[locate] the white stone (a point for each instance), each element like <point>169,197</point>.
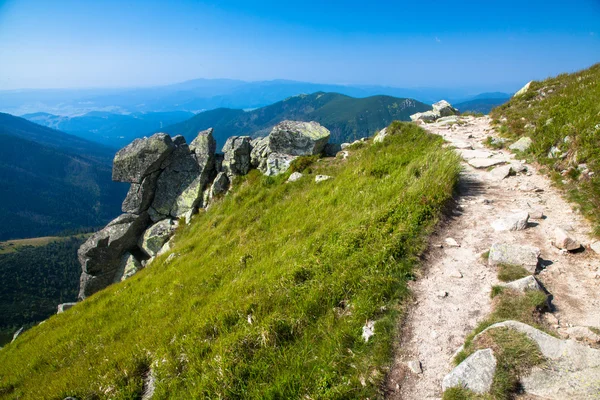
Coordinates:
<point>294,177</point>
<point>499,173</point>
<point>476,373</point>
<point>415,366</point>
<point>563,241</point>
<point>368,330</point>
<point>513,254</point>
<point>524,284</point>
<point>516,222</point>
<point>321,178</point>
<point>522,144</point>
<point>595,246</point>
<point>451,242</point>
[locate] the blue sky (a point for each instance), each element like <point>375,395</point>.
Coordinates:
<point>484,44</point>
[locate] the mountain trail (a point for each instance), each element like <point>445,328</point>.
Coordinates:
<point>452,291</point>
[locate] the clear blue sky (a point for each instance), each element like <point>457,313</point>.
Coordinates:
<point>105,43</point>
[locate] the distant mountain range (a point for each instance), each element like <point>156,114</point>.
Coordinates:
<point>198,95</point>
<point>113,130</point>
<point>346,117</point>
<point>484,102</point>
<point>52,182</point>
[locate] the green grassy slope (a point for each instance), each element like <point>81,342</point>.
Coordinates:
<point>346,117</point>
<point>268,295</point>
<point>564,112</point>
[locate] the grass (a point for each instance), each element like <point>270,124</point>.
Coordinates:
<point>514,352</point>
<point>562,112</point>
<point>509,273</point>
<point>267,296</point>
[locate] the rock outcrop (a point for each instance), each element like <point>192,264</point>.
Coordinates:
<point>170,180</point>
<point>440,109</point>
<point>476,373</point>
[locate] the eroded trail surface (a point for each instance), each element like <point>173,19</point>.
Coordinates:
<point>452,293</point>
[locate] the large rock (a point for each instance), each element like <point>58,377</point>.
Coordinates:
<point>141,158</point>
<point>204,147</point>
<point>514,222</point>
<point>260,152</point>
<point>296,138</point>
<point>237,152</point>
<point>219,185</point>
<point>526,284</point>
<point>522,144</point>
<point>427,116</point>
<point>156,236</point>
<point>513,254</point>
<point>476,373</point>
<point>571,371</point>
<point>140,195</point>
<point>276,164</point>
<point>444,109</point>
<point>100,256</point>
<point>129,266</point>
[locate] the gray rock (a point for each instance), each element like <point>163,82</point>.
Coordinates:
<point>524,284</point>
<point>100,256</point>
<point>321,178</point>
<point>204,147</point>
<point>536,213</point>
<point>444,109</point>
<point>571,371</point>
<point>448,120</point>
<point>475,373</point>
<point>499,173</point>
<point>485,162</point>
<point>294,177</point>
<point>344,146</point>
<point>563,241</point>
<point>64,307</point>
<point>129,266</point>
<point>583,333</point>
<point>156,236</point>
<point>512,254</point>
<point>415,366</point>
<point>522,144</point>
<point>17,333</point>
<point>297,138</point>
<point>468,154</point>
<point>381,135</point>
<point>595,246</point>
<point>277,163</point>
<point>141,158</point>
<point>260,152</point>
<point>237,151</point>
<point>220,185</point>
<point>140,196</point>
<point>515,222</point>
<point>523,90</point>
<point>427,116</point>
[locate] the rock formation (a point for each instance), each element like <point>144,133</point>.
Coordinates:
<point>170,180</point>
<point>440,109</point>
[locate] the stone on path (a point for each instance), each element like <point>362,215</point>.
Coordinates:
<point>513,254</point>
<point>562,240</point>
<point>451,242</point>
<point>595,246</point>
<point>475,373</point>
<point>471,154</point>
<point>501,172</point>
<point>515,222</point>
<point>485,162</point>
<point>524,284</point>
<point>415,366</point>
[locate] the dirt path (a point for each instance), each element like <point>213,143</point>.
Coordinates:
<point>452,295</point>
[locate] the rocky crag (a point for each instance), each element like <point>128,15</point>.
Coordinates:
<point>170,180</point>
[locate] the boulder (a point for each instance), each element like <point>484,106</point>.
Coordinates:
<point>141,158</point>
<point>294,177</point>
<point>220,185</point>
<point>140,195</point>
<point>522,144</point>
<point>276,164</point>
<point>260,152</point>
<point>129,266</point>
<point>444,109</point>
<point>427,116</point>
<point>100,256</point>
<point>204,147</point>
<point>515,222</point>
<point>523,90</point>
<point>64,307</point>
<point>571,370</point>
<point>156,236</point>
<point>381,135</point>
<point>513,254</point>
<point>453,119</point>
<point>296,138</point>
<point>475,373</point>
<point>237,150</point>
<point>524,284</point>
<point>563,241</point>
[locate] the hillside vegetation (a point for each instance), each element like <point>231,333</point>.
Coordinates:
<point>346,117</point>
<point>51,182</point>
<point>267,294</point>
<point>564,113</point>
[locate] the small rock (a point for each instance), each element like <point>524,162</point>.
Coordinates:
<point>17,333</point>
<point>595,246</point>
<point>344,146</point>
<point>456,274</point>
<point>512,254</point>
<point>515,222</point>
<point>381,135</point>
<point>476,373</point>
<point>321,178</point>
<point>64,307</point>
<point>536,213</point>
<point>415,366</point>
<point>499,173</point>
<point>583,333</point>
<point>563,241</point>
<point>528,283</point>
<point>442,294</point>
<point>551,319</point>
<point>451,242</point>
<point>368,330</point>
<point>294,177</point>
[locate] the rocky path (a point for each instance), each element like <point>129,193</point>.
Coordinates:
<point>452,294</point>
